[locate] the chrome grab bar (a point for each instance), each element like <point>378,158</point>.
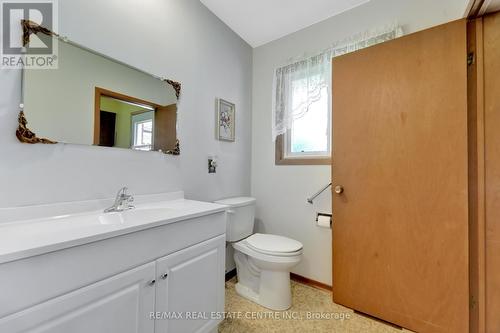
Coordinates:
<point>314,196</point>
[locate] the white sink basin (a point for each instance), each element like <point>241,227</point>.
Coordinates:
<point>32,237</point>
<point>134,216</point>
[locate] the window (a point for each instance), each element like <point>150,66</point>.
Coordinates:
<point>309,135</point>
<point>143,135</point>
<point>301,111</point>
<point>308,138</point>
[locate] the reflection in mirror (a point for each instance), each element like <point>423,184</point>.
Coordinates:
<point>94,100</point>
<point>128,122</point>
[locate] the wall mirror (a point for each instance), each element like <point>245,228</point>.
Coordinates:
<point>92,99</point>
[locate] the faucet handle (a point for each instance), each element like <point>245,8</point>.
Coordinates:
<point>122,192</point>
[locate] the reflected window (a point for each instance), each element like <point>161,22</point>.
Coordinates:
<point>143,135</point>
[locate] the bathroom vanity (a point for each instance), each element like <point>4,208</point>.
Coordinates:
<point>156,268</point>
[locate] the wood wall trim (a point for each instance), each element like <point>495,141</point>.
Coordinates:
<point>476,143</point>
<point>123,97</point>
<point>231,274</point>
<point>280,158</point>
<point>474,8</point>
<point>310,282</point>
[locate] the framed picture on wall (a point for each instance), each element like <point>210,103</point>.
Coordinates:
<point>225,120</point>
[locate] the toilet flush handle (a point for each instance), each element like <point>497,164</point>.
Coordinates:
<point>230,211</point>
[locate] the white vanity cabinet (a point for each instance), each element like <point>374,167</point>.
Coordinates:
<point>121,303</point>
<point>191,283</point>
<point>132,283</point>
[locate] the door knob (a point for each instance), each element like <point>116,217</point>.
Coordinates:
<point>339,189</point>
<point>164,276</point>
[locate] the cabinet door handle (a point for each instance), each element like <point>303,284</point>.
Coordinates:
<point>164,276</point>
<point>152,282</point>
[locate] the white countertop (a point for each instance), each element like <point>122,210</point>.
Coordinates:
<point>22,239</point>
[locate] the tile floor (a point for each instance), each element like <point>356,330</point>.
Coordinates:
<point>307,302</point>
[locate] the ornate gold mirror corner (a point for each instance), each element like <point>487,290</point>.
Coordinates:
<point>24,134</point>
<point>176,86</point>
<point>176,151</point>
<point>30,27</point>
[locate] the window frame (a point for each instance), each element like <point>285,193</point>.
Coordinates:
<point>284,157</point>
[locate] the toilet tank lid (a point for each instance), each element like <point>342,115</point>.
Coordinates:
<point>236,202</point>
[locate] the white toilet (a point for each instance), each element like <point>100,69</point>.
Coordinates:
<point>263,262</point>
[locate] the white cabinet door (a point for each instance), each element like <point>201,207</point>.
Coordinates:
<point>192,290</point>
<point>120,304</point>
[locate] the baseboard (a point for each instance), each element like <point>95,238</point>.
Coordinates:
<point>230,274</point>
<point>309,282</point>
<point>298,278</point>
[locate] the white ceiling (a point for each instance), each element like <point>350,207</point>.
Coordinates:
<point>494,6</point>
<point>261,21</point>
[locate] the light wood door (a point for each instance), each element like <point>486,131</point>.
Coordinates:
<point>492,168</point>
<point>400,230</point>
<point>120,304</point>
<point>191,283</point>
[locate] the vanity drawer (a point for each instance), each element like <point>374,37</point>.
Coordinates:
<point>30,281</point>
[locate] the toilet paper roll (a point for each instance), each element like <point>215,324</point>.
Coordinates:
<point>323,221</point>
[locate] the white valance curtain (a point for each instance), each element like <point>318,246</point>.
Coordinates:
<point>306,79</point>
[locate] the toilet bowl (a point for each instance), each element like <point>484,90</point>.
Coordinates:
<point>263,261</point>
<point>263,264</point>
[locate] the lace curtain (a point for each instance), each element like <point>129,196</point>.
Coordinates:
<point>298,85</point>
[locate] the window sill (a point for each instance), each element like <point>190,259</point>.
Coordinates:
<point>280,158</point>
<point>304,161</point>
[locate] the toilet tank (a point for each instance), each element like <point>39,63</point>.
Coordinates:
<point>240,217</point>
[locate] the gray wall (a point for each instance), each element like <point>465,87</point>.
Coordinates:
<point>178,39</point>
<point>281,191</point>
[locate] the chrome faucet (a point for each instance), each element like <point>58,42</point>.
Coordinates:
<point>122,202</point>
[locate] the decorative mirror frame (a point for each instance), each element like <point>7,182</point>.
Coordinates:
<point>23,133</point>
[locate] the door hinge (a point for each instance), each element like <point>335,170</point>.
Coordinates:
<point>470,59</point>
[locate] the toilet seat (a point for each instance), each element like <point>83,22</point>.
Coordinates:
<point>263,269</point>
<point>273,245</point>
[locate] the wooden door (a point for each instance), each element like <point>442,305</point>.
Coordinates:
<point>120,304</point>
<point>165,132</point>
<point>191,282</point>
<point>107,129</point>
<point>400,230</point>
<point>491,51</point>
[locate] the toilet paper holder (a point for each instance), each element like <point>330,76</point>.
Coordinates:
<point>324,214</point>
